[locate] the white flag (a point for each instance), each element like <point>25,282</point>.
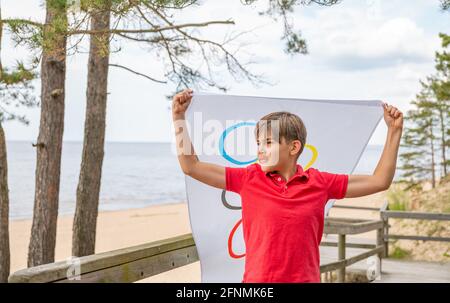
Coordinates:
<point>221,129</point>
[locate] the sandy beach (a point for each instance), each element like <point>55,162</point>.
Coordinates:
<point>119,229</point>
<point>115,229</point>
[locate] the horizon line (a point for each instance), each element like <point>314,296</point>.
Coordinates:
<point>120,142</point>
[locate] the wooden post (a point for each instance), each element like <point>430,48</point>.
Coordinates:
<point>386,238</point>
<point>384,217</point>
<point>380,241</point>
<point>341,256</point>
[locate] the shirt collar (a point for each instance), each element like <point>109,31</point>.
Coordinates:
<point>300,173</point>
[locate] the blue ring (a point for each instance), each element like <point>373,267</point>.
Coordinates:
<point>222,151</point>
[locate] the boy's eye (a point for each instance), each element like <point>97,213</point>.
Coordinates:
<point>267,143</point>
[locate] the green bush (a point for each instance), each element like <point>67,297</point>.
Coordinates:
<point>399,253</point>
<point>398,198</point>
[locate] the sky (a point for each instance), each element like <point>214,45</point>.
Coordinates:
<point>358,50</point>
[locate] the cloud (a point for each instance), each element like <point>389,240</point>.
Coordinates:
<point>349,40</point>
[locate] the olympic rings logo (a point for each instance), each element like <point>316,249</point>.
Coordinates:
<point>227,157</point>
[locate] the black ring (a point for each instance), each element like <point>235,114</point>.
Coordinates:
<point>226,204</point>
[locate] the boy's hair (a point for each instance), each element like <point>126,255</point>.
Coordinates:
<point>291,127</point>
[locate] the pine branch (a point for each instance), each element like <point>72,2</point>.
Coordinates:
<point>137,73</point>
<point>16,22</point>
<point>152,30</point>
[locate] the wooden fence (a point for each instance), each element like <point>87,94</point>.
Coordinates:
<point>135,263</point>
<point>139,262</point>
<point>386,214</point>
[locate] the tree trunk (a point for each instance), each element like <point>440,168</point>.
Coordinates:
<point>443,141</point>
<point>88,191</point>
<point>4,211</point>
<point>49,144</point>
<point>433,165</point>
<point>4,194</point>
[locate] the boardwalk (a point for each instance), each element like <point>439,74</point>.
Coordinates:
<point>398,271</point>
<point>394,270</point>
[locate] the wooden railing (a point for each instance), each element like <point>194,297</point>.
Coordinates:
<point>386,214</point>
<point>350,226</point>
<point>138,262</point>
<point>357,207</point>
<point>123,265</point>
<point>142,261</point>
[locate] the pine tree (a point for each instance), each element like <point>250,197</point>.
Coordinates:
<point>15,91</point>
<point>440,86</point>
<point>428,125</point>
<point>418,159</point>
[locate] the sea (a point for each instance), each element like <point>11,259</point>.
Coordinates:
<point>134,175</point>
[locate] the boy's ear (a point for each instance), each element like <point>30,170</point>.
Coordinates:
<point>296,145</point>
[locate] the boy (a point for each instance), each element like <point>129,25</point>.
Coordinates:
<point>283,205</point>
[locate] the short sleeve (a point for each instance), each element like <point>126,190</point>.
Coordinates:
<point>336,184</point>
<point>235,178</point>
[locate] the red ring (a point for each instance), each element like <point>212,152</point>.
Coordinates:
<point>230,242</point>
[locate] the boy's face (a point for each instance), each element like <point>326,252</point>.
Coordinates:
<point>273,155</point>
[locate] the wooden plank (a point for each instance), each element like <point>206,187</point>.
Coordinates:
<point>356,207</point>
<point>140,269</point>
<point>58,270</point>
<point>352,245</point>
<point>332,266</point>
<point>333,226</point>
<point>343,220</point>
<point>364,255</point>
<point>417,215</point>
<point>418,238</point>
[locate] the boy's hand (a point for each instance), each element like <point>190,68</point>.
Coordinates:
<point>393,117</point>
<point>181,102</point>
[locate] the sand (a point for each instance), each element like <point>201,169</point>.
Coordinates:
<point>119,229</point>
<point>115,229</point>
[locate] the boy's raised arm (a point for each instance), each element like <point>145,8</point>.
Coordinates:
<point>362,185</point>
<point>207,173</point>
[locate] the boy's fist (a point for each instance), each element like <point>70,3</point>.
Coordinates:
<point>393,117</point>
<point>181,102</point>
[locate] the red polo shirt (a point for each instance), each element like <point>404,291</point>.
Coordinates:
<point>283,221</point>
